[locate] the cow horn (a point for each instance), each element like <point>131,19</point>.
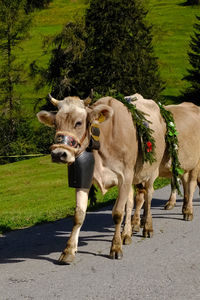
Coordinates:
<point>53,100</point>
<point>88,100</point>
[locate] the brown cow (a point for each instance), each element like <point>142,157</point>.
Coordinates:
<point>187,120</point>
<point>117,163</point>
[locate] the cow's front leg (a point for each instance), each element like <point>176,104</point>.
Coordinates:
<point>69,252</point>
<point>118,215</point>
<point>148,224</point>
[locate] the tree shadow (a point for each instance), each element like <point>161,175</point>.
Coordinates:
<point>184,4</point>
<point>187,4</point>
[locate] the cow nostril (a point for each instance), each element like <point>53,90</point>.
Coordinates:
<point>59,156</point>
<point>63,156</point>
<point>54,156</point>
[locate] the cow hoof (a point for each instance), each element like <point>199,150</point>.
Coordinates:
<point>136,228</point>
<point>66,258</point>
<point>188,217</point>
<point>116,255</point>
<point>126,240</point>
<point>147,233</point>
<point>169,206</point>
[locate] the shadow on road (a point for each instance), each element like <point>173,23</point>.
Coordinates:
<point>39,241</point>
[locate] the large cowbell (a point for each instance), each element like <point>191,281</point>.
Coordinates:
<point>80,173</point>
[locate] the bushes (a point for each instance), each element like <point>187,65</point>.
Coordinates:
<point>193,2</point>
<point>20,138</point>
<point>36,4</point>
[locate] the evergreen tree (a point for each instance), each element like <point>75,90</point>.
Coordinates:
<point>118,52</point>
<point>192,93</point>
<point>60,75</point>
<point>110,50</point>
<point>14,25</point>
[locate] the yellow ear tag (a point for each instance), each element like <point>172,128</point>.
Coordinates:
<point>101,118</point>
<point>95,132</point>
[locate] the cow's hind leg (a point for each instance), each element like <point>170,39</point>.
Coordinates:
<point>191,184</point>
<point>127,230</point>
<point>69,252</point>
<point>148,224</point>
<point>139,201</point>
<point>171,203</point>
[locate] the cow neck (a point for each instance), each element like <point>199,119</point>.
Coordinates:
<point>84,142</point>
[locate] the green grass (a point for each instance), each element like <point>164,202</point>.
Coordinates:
<point>172,27</point>
<point>33,191</point>
<point>36,191</point>
<point>46,22</point>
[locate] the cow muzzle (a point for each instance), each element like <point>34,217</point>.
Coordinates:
<point>65,148</point>
<point>60,155</point>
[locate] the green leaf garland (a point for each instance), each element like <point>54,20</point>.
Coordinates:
<point>147,142</point>
<point>172,143</point>
<point>144,132</point>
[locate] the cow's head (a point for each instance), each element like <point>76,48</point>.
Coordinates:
<point>73,125</point>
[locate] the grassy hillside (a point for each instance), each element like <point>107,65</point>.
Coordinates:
<point>36,191</point>
<point>172,27</point>
<point>45,22</point>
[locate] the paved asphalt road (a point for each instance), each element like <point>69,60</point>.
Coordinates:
<point>164,267</point>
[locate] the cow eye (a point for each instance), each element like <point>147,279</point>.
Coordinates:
<point>78,124</point>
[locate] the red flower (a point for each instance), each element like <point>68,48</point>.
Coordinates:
<point>149,146</point>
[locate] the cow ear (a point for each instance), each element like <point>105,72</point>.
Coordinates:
<point>46,118</point>
<point>101,113</point>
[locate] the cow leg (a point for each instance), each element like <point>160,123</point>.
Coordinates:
<point>118,215</point>
<point>187,209</point>
<point>68,254</point>
<point>172,199</point>
<point>127,230</point>
<point>185,182</point>
<point>139,201</point>
<point>148,224</point>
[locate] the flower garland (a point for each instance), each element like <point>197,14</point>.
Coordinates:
<point>147,142</point>
<point>172,143</point>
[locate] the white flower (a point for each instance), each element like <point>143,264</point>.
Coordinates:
<point>171,124</point>
<point>175,146</point>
